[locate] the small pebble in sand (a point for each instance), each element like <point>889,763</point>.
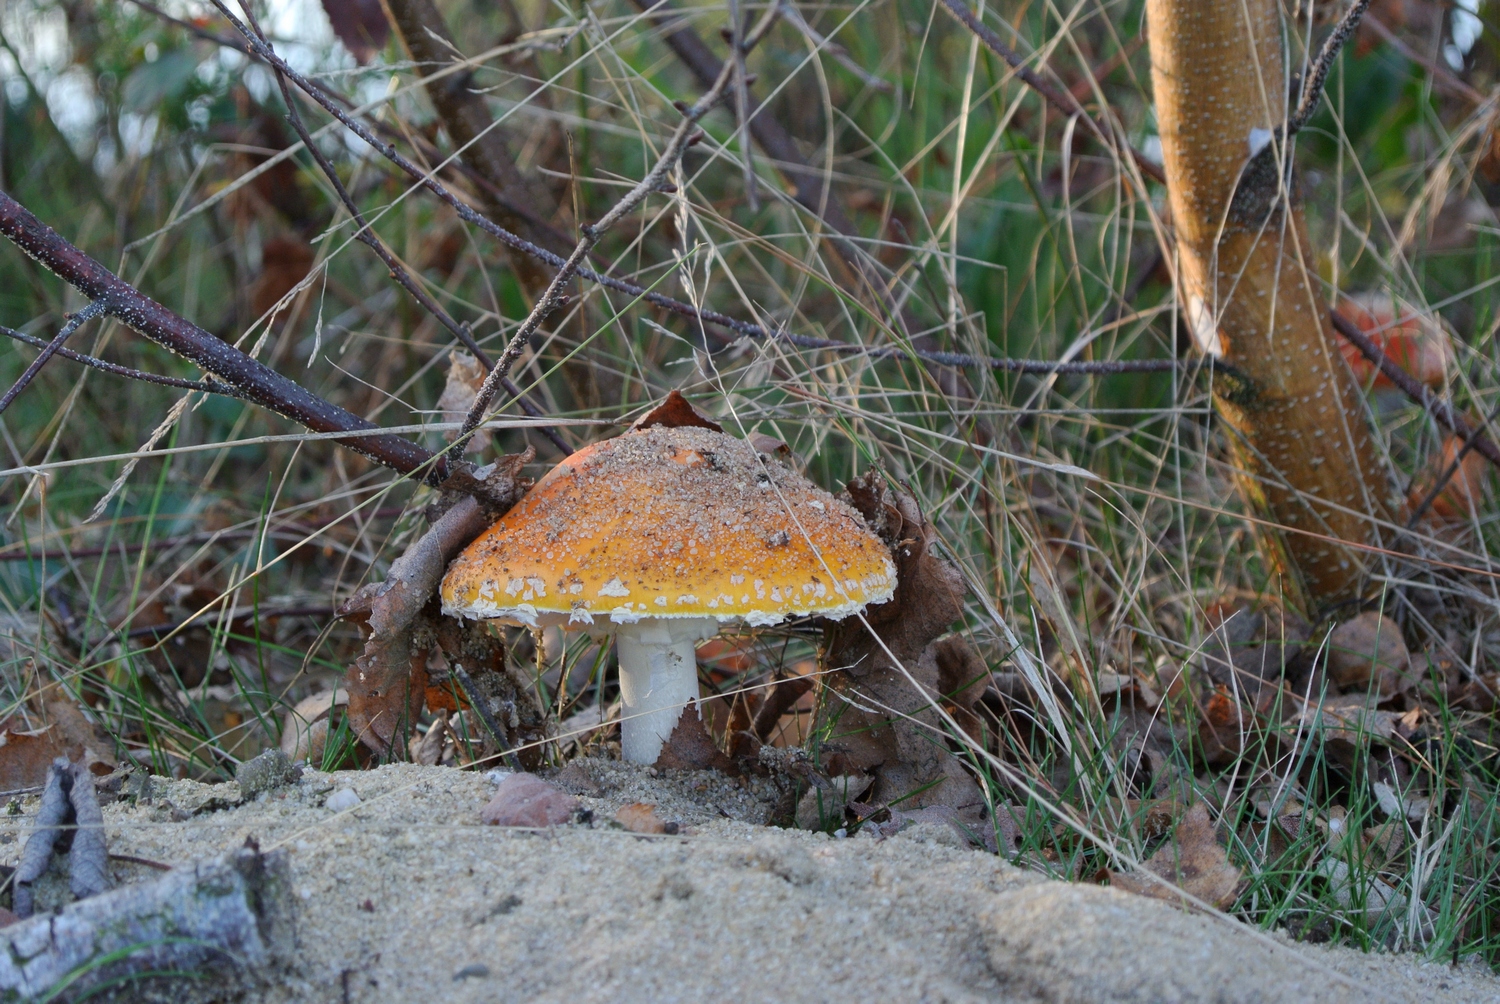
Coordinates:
<point>342,800</point>
<point>527,800</point>
<point>266,772</point>
<point>473,971</point>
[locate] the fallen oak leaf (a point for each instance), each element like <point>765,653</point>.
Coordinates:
<point>26,752</point>
<point>304,730</point>
<point>1192,861</point>
<point>690,747</point>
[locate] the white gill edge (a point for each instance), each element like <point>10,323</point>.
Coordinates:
<point>526,614</point>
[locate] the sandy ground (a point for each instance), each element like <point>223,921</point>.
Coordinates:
<point>405,897</point>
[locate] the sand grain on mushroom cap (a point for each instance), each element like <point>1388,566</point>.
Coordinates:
<point>671,522</point>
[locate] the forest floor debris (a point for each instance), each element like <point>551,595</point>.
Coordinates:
<point>405,894</point>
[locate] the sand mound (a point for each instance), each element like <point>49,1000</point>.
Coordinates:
<point>400,895</point>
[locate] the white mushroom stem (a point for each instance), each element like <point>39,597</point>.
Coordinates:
<point>658,678</point>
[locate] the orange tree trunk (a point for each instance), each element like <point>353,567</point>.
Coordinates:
<point>1248,290</point>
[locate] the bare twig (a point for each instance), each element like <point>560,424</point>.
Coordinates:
<point>75,322</point>
<point>366,235</point>
<point>469,125</point>
<point>1442,77</point>
<point>737,27</point>
<point>1442,411</point>
<point>114,369</point>
<point>707,317</point>
<point>481,708</point>
<point>686,135</point>
<point>793,16</point>
<point>252,379</point>
<point>202,620</point>
<point>1452,469</point>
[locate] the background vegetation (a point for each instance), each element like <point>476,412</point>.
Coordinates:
<point>172,561</point>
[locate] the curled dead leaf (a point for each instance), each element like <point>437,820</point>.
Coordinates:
<point>1192,860</point>
<point>465,377</point>
<point>44,731</point>
<point>885,724</point>
<point>388,682</point>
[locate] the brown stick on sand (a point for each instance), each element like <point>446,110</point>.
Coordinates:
<point>228,915</point>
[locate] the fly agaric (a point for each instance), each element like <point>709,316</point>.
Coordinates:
<point>1415,341</point>
<point>660,537</point>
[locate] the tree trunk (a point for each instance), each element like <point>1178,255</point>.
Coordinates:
<point>1248,290</point>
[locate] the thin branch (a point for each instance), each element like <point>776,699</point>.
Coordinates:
<point>366,235</point>
<point>1440,410</point>
<point>207,619</point>
<point>1442,483</point>
<point>75,322</point>
<point>115,369</point>
<point>249,378</point>
<point>736,33</point>
<point>686,135</point>
<point>1063,101</point>
<point>482,709</point>
<point>467,121</point>
<point>713,317</point>
<point>793,16</point>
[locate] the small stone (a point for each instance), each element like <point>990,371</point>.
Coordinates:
<point>270,770</point>
<point>933,832</point>
<point>527,800</point>
<point>342,800</point>
<point>473,971</point>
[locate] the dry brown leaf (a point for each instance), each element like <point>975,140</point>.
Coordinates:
<point>690,747</point>
<point>1192,860</point>
<point>896,746</point>
<point>1462,495</point>
<point>428,750</point>
<point>641,817</point>
<point>57,729</point>
<point>1369,650</point>
<point>360,24</point>
<point>465,377</point>
<point>304,731</point>
<point>675,412</point>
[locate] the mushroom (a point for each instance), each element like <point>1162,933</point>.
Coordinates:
<point>660,537</point>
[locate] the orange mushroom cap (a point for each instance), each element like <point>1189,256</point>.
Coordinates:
<point>671,522</point>
<point>1415,341</point>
